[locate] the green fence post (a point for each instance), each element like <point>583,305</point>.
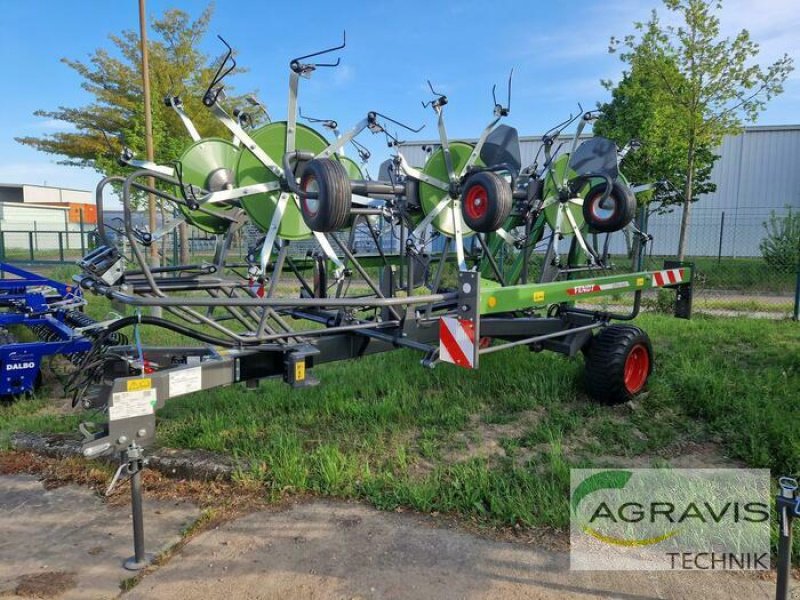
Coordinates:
<point>30,244</point>
<point>2,247</point>
<point>61,246</point>
<point>797,296</point>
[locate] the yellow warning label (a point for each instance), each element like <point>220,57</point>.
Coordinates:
<point>300,370</point>
<point>538,296</point>
<point>135,385</point>
<point>492,301</point>
<point>639,281</point>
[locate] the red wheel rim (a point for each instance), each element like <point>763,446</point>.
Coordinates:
<point>597,210</point>
<point>476,203</point>
<point>310,206</point>
<point>637,368</point>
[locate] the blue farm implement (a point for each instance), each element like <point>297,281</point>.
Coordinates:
<point>50,311</point>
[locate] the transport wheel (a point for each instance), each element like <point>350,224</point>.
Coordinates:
<point>271,138</point>
<point>618,362</point>
<point>485,201</point>
<point>330,210</point>
<point>612,213</point>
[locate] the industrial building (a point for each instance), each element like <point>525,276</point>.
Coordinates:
<point>45,217</point>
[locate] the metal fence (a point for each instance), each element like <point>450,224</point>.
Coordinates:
<point>745,260</point>
<point>44,247</point>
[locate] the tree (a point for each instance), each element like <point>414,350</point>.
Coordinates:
<point>113,79</point>
<point>641,109</point>
<point>719,84</point>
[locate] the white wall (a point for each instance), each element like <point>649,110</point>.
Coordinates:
<point>36,194</point>
<point>23,223</point>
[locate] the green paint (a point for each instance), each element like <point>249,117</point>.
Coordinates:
<point>431,196</point>
<point>198,162</point>
<point>351,166</point>
<point>520,297</point>
<point>560,172</point>
<point>271,139</point>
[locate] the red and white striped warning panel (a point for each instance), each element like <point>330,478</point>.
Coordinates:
<point>457,341</point>
<point>590,288</point>
<point>667,277</point>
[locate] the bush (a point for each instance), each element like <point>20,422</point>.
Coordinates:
<point>781,247</point>
<point>663,303</point>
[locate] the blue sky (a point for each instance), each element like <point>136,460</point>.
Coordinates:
<point>558,50</point>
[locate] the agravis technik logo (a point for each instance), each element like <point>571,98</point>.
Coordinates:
<point>647,519</point>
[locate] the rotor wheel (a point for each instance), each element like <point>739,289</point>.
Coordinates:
<point>430,196</point>
<point>552,204</point>
<point>271,138</point>
<point>209,164</point>
<point>619,361</point>
<point>351,166</point>
<point>485,201</point>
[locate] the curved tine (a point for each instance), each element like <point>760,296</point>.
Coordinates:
<point>221,73</point>
<point>507,107</point>
<point>363,153</point>
<point>328,122</point>
<point>557,129</point>
<point>433,91</point>
<point>326,51</point>
<point>403,125</point>
<point>229,55</point>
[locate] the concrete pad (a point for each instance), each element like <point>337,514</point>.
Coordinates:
<point>67,543</point>
<point>327,550</point>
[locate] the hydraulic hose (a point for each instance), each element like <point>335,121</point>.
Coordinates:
<point>176,327</point>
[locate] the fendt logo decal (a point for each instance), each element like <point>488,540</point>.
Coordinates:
<point>591,288</point>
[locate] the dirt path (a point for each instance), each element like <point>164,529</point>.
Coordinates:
<point>329,550</point>
<point>67,543</point>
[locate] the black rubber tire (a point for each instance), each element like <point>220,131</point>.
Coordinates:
<point>624,207</point>
<point>331,210</point>
<point>320,277</point>
<point>607,355</point>
<point>485,201</point>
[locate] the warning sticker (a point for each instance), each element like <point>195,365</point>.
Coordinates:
<point>125,405</point>
<point>139,384</point>
<point>185,381</point>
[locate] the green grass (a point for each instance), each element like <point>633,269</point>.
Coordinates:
<point>387,430</point>
<point>496,444</point>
